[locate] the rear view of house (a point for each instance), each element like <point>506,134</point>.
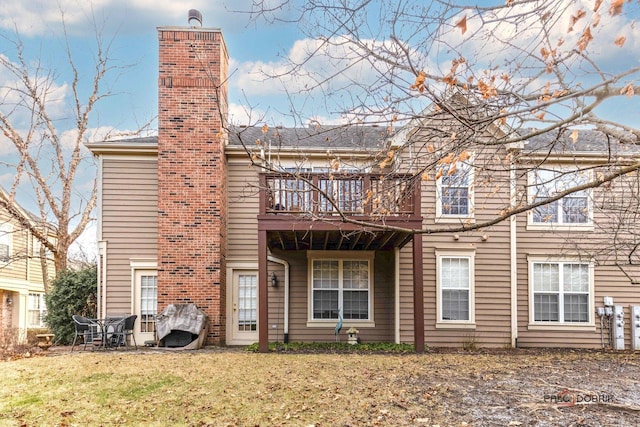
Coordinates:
<point>279,234</point>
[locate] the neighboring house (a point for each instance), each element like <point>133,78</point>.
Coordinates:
<point>22,301</point>
<point>184,218</point>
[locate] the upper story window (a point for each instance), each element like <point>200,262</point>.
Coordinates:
<point>574,209</point>
<point>6,240</point>
<point>455,191</point>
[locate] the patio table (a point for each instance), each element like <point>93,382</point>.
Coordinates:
<point>108,326</point>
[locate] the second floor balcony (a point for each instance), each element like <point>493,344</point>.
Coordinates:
<point>331,196</point>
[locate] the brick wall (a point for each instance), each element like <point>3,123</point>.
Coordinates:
<point>192,172</point>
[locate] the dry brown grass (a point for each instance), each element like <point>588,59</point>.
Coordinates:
<point>236,388</point>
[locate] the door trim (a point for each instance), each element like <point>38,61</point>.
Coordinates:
<point>232,268</point>
<point>139,267</point>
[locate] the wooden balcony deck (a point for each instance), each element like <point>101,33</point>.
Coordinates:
<point>303,211</point>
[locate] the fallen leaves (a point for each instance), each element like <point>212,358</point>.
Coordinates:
<point>227,387</point>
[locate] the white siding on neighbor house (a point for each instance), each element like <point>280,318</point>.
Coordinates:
<point>129,222</point>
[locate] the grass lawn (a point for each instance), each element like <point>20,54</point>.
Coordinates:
<point>219,388</point>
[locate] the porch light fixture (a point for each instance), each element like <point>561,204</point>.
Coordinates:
<point>9,300</point>
<point>274,280</point>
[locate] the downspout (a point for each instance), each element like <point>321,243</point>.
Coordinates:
<point>102,279</point>
<point>101,309</point>
<point>397,294</point>
<point>285,264</point>
<point>513,252</point>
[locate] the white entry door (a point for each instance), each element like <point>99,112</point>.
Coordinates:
<point>145,305</point>
<point>244,307</point>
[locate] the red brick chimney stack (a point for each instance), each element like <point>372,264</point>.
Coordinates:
<point>192,104</point>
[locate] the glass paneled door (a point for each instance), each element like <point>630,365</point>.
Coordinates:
<point>244,307</point>
<point>145,305</point>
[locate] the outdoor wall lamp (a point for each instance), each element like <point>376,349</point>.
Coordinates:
<point>274,280</point>
<point>9,300</point>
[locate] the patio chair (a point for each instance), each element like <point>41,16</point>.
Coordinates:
<point>86,328</point>
<point>122,330</point>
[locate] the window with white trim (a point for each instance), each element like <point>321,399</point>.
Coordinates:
<point>455,288</point>
<point>572,209</point>
<point>341,286</point>
<point>6,240</point>
<point>36,310</point>
<point>148,302</point>
<point>561,292</point>
<point>455,190</point>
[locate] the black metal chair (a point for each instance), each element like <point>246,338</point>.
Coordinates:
<point>122,330</point>
<point>86,328</point>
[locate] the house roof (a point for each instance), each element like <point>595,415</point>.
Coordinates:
<point>24,214</point>
<point>353,137</point>
<point>367,138</point>
<point>582,141</point>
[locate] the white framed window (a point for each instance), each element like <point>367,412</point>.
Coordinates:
<point>36,310</point>
<point>148,301</point>
<point>454,189</point>
<point>340,285</point>
<point>560,292</point>
<point>574,210</point>
<point>455,286</point>
<point>6,241</point>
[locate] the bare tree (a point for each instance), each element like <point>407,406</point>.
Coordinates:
<point>479,87</point>
<point>49,156</point>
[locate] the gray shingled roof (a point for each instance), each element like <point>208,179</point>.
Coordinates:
<point>367,138</point>
<point>355,137</point>
<point>587,141</point>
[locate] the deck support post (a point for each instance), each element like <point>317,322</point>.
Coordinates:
<point>418,295</point>
<point>263,294</point>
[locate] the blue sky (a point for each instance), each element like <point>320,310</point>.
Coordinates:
<point>131,25</point>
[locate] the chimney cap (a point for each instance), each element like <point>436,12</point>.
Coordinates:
<point>195,18</point>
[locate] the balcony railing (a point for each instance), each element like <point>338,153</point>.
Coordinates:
<point>326,194</point>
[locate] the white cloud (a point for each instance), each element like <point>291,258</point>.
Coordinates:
<point>240,114</point>
<point>309,65</point>
<point>41,17</point>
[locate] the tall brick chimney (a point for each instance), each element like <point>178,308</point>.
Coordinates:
<point>192,100</point>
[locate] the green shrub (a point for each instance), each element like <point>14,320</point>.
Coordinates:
<point>72,292</point>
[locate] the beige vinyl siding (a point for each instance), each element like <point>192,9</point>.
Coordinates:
<point>15,267</point>
<point>35,269</point>
<point>384,301</point>
<point>491,251</point>
<point>129,222</point>
<point>608,279</point>
<point>243,201</point>
<point>276,303</point>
